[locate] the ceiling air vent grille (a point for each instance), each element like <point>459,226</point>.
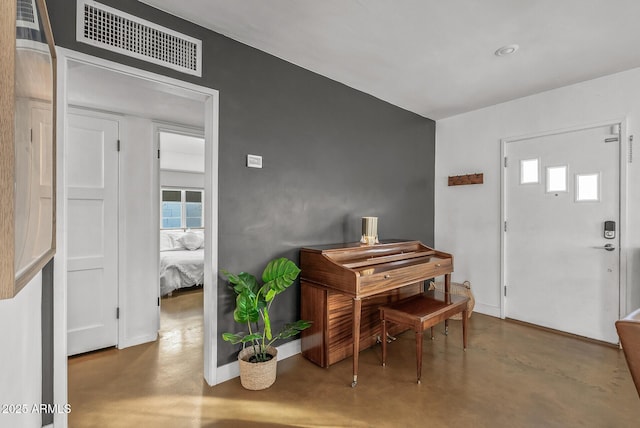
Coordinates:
<point>26,14</point>
<point>111,29</point>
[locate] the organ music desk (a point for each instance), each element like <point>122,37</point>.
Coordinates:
<point>343,285</point>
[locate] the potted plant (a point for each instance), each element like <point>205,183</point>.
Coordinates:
<point>258,357</point>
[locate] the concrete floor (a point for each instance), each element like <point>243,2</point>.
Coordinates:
<point>512,375</point>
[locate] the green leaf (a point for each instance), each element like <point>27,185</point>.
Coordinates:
<point>267,324</point>
<point>249,281</point>
<point>252,337</point>
<point>292,329</point>
<point>280,274</point>
<point>242,337</point>
<point>234,338</point>
<point>270,295</point>
<point>242,281</point>
<point>246,310</point>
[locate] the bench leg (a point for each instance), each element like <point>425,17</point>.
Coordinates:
<point>464,329</point>
<point>384,343</point>
<point>432,336</point>
<point>447,299</point>
<point>419,354</point>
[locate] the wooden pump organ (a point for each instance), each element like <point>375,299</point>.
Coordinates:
<point>343,285</point>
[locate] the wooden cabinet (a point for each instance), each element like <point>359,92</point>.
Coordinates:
<point>329,339</point>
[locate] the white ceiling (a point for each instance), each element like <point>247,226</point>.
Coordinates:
<point>434,57</point>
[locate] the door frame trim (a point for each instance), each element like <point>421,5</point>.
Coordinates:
<point>622,229</point>
<point>211,112</point>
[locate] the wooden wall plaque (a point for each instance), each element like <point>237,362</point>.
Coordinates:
<point>461,180</point>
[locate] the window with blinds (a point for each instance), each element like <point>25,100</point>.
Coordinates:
<point>182,209</point>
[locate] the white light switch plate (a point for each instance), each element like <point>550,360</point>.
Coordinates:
<point>254,161</point>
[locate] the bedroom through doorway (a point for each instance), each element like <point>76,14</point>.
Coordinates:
<point>181,234</point>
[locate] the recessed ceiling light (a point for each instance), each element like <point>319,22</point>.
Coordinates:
<point>507,50</point>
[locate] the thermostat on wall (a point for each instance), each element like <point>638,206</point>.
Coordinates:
<point>254,161</point>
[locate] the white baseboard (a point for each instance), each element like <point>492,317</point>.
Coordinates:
<point>139,340</point>
<point>487,310</point>
<point>232,370</point>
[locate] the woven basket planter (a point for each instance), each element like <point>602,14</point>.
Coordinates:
<point>256,376</point>
<point>458,289</point>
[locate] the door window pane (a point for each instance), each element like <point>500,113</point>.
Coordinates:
<point>587,187</point>
<point>529,171</point>
<point>557,179</point>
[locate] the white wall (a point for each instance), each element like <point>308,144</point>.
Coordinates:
<point>468,218</point>
<point>181,157</point>
<point>180,151</point>
<point>177,161</point>
<point>139,223</point>
<point>192,180</point>
<point>21,356</point>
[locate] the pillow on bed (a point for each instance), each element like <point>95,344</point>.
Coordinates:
<point>191,241</point>
<point>166,242</point>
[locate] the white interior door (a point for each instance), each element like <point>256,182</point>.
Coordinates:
<point>92,235</point>
<point>559,191</point>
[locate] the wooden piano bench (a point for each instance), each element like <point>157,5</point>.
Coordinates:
<point>420,312</point>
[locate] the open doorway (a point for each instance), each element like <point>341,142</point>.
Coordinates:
<point>139,100</point>
<point>181,233</point>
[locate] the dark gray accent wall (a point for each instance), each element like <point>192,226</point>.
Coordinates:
<point>47,340</point>
<point>331,155</point>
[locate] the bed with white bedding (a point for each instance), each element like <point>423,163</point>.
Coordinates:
<point>181,260</point>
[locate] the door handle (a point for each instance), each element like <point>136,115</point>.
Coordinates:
<point>608,247</point>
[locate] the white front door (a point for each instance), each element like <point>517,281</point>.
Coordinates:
<point>92,189</point>
<point>559,191</point>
